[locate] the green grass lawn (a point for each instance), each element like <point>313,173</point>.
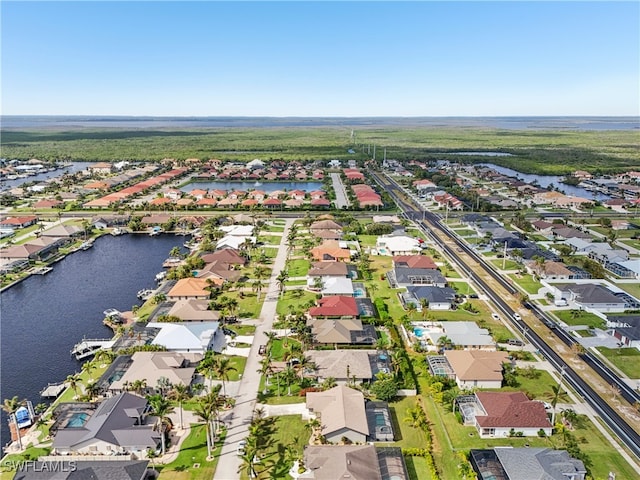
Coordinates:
<point>538,388</point>
<point>292,300</point>
<point>270,239</point>
<point>580,318</point>
<point>407,437</point>
<point>367,240</point>
<point>295,283</point>
<point>286,431</point>
<point>526,282</point>
<point>626,359</point>
<point>508,264</point>
<point>30,453</point>
<point>631,288</point>
<point>279,345</point>
<point>277,394</point>
<point>298,268</point>
<point>272,228</point>
<point>243,329</point>
<point>465,232</point>
<point>249,305</point>
<point>238,363</point>
<point>193,451</point>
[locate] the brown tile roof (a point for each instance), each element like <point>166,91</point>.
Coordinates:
<point>339,408</point>
<point>476,364</point>
<point>414,261</point>
<point>189,287</point>
<point>511,410</point>
<point>319,269</point>
<point>353,462</point>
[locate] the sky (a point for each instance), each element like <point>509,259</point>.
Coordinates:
<point>299,58</point>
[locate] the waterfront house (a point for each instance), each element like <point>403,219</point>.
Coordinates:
<point>63,231</point>
<point>189,337</point>
<point>320,203</point>
<point>193,311</point>
<point>120,424</point>
<point>229,256</point>
<point>341,411</point>
<point>476,368</point>
<point>189,288</point>
<point>500,414</point>
<point>157,368</point>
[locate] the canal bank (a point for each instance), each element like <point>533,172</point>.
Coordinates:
<point>44,316</point>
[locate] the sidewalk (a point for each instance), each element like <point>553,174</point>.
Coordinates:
<point>239,418</point>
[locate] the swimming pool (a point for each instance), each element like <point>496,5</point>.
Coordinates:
<point>359,293</point>
<point>77,420</point>
<point>382,251</point>
<point>418,332</point>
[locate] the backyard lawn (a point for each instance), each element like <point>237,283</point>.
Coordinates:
<point>502,264</point>
<point>626,359</point>
<point>292,300</point>
<point>248,306</point>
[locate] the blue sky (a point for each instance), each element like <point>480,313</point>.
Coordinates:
<point>321,59</point>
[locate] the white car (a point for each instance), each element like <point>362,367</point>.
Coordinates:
<point>241,445</point>
<point>517,316</point>
<point>495,316</point>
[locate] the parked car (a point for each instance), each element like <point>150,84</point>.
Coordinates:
<point>262,350</point>
<point>495,316</point>
<point>241,445</point>
<point>515,342</point>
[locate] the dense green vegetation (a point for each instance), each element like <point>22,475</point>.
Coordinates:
<point>536,151</point>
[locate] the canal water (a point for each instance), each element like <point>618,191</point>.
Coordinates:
<point>74,167</point>
<point>545,180</point>
<point>43,317</point>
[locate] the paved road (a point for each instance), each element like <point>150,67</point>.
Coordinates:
<point>239,418</point>
<point>342,199</point>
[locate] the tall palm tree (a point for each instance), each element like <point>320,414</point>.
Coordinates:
<point>223,368</point>
<point>281,279</point>
<point>11,406</point>
<point>139,386</point>
<point>161,408</point>
<point>204,412</point>
<point>179,393</point>
<point>74,382</point>
<point>289,376</point>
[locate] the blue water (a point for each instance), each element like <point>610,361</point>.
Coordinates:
<point>511,123</point>
<point>417,332</point>
<point>77,420</point>
<point>246,186</point>
<point>44,316</point>
<point>380,420</point>
<point>359,293</point>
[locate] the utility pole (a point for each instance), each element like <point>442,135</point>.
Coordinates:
<point>504,255</point>
<point>374,151</point>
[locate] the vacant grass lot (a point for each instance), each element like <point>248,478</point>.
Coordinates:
<point>576,317</point>
<point>249,305</point>
<point>298,268</point>
<point>501,264</point>
<point>287,432</point>
<point>292,300</point>
<point>193,452</point>
<point>626,359</point>
<point>526,282</point>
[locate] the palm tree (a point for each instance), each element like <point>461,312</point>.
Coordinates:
<point>204,412</point>
<point>179,393</point>
<point>74,382</point>
<point>281,279</point>
<point>373,288</point>
<point>92,390</point>
<point>161,408</point>
<point>411,309</point>
<point>305,364</point>
<point>289,376</point>
<point>223,368</point>
<point>139,386</point>
<point>11,406</point>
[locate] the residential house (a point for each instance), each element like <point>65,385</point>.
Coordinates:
<point>466,335</point>
<point>193,311</point>
<point>341,331</point>
<point>405,277</point>
<point>120,424</point>
<point>550,270</point>
<point>436,298</point>
<point>593,296</point>
<point>341,411</point>
<point>345,365</point>
<point>335,286</point>
<point>157,367</point>
<point>328,269</point>
<point>77,469</point>
<point>477,368</point>
<point>102,168</point>
<point>501,414</point>
<point>189,288</point>
<point>530,463</point>
<point>189,337</point>
<point>335,307</point>
<point>330,251</point>
<point>626,329</point>
<point>63,231</point>
<point>398,245</point>
<point>354,462</point>
<point>414,261</point>
<point>229,256</point>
